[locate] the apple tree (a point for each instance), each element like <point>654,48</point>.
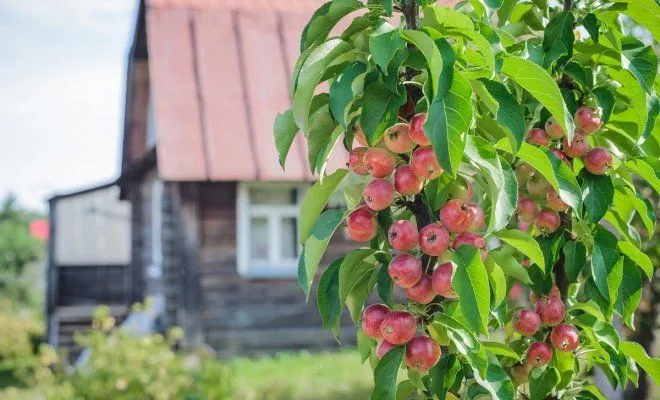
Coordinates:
<point>494,148</point>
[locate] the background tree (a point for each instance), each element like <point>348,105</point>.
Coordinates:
<point>501,139</point>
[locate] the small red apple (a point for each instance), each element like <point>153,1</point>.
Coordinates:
<point>598,161</point>
<point>433,239</point>
<point>538,136</point>
<point>383,348</point>
<point>577,147</point>
<point>397,139</point>
<point>555,202</point>
<point>403,235</point>
<point>406,182</point>
<point>456,216</point>
<point>539,354</point>
<point>441,280</point>
<point>425,164</point>
<point>422,291</point>
<point>405,270</point>
<point>527,209</point>
<point>547,221</point>
<point>565,337</point>
<point>551,310</point>
<point>479,217</point>
<point>587,120</point>
<point>379,162</point>
<point>526,322</point>
<point>356,161</point>
<point>372,317</point>
<point>379,194</point>
<point>417,133</point>
<point>422,353</point>
<point>361,225</point>
<point>560,155</point>
<point>553,129</point>
<point>537,186</point>
<point>398,327</point>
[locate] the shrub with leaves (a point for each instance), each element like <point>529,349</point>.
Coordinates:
<point>498,141</point>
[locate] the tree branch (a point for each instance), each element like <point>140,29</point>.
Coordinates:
<point>568,5</point>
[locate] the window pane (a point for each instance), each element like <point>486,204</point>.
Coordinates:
<point>259,238</point>
<point>273,195</point>
<point>289,240</point>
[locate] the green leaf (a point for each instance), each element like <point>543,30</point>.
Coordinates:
<point>645,13</point>
<point>591,24</point>
<point>379,110</point>
<point>343,90</point>
<point>384,42</point>
<point>508,113</point>
<point>642,167</point>
<point>324,19</point>
<point>501,349</point>
<point>385,374</point>
<point>590,307</point>
<point>524,243</point>
<point>605,100</point>
<point>324,134</point>
<point>598,192</point>
<point>580,74</point>
<point>431,53</point>
<point>315,201</point>
<point>327,297</point>
<point>357,266</point>
<point>648,364</point>
<point>560,30</point>
<point>565,364</point>
<point>466,342</point>
<point>542,381</point>
<point>404,389</point>
<point>539,84</point>
<point>449,119</point>
<point>443,375</point>
<point>643,63</point>
<point>497,282</point>
<point>444,17</point>
<point>550,246</point>
<point>604,258</point>
<point>558,174</point>
<point>630,292</point>
<point>496,382</point>
<point>575,258</point>
<point>471,284</point>
<point>385,286</point>
<point>332,52</point>
<point>510,266</point>
<point>502,183</point>
<point>633,90</point>
<point>639,257</point>
<point>285,131</point>
<point>387,6</point>
<point>316,244</point>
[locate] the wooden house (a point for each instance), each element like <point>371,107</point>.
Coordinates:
<point>214,217</point>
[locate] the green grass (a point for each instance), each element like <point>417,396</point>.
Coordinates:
<point>298,376</point>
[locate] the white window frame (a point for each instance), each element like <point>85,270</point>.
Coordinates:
<point>155,267</point>
<point>274,267</point>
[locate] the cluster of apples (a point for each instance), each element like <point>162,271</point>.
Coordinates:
<point>548,313</point>
<point>457,223</point>
<point>535,188</point>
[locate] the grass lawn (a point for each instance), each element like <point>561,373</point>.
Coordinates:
<point>298,376</point>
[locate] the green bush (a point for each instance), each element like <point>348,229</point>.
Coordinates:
<point>20,330</point>
<point>122,366</point>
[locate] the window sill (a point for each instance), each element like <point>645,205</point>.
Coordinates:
<point>269,273</point>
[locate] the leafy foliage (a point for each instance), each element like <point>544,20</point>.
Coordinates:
<point>474,80</point>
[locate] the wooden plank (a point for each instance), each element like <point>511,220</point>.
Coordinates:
<point>174,95</point>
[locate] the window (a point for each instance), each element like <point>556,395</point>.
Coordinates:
<point>268,237</point>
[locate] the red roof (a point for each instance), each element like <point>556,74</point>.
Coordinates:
<point>40,229</point>
<point>219,73</point>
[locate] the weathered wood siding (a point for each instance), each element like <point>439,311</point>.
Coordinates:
<point>245,316</point>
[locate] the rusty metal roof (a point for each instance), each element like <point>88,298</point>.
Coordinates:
<point>219,74</point>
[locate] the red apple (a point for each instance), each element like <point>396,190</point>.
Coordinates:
<point>433,239</point>
<point>406,182</point>
<point>587,120</point>
<point>598,161</point>
<point>425,164</point>
<point>577,147</point>
<point>422,353</point>
<point>538,136</point>
<point>403,235</point>
<point>527,209</point>
<point>526,322</point>
<point>372,317</point>
<point>441,280</point>
<point>422,291</point>
<point>379,162</point>
<point>565,337</point>
<point>405,270</point>
<point>456,216</point>
<point>361,225</point>
<point>398,327</point>
<point>551,310</point>
<point>383,348</point>
<point>417,133</point>
<point>555,202</point>
<point>553,129</point>
<point>539,354</point>
<point>397,139</point>
<point>478,212</point>
<point>537,186</point>
<point>547,221</point>
<point>355,161</point>
<point>471,239</point>
<point>379,194</point>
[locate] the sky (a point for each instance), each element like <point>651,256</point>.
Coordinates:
<point>62,78</point>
